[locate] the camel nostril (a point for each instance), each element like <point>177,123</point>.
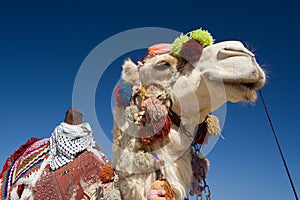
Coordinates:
<point>228,53</point>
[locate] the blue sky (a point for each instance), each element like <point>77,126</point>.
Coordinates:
<point>43,44</point>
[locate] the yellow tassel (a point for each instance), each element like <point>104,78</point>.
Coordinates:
<point>213,126</point>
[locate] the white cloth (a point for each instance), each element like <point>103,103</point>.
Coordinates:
<point>67,141</point>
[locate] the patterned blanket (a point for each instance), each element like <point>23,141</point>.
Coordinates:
<point>27,167</point>
<point>29,160</point>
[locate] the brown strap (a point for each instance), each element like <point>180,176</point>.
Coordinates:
<point>174,118</point>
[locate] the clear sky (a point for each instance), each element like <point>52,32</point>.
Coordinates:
<point>43,44</point>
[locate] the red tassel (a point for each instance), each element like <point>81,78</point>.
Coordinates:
<point>148,138</point>
<point>166,128</point>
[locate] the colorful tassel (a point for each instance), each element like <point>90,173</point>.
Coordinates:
<point>106,174</point>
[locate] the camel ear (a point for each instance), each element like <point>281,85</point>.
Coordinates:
<point>130,73</point>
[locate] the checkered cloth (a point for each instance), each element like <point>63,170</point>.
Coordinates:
<point>67,141</point>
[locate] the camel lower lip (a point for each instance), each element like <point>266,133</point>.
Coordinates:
<point>245,93</point>
<point>244,86</point>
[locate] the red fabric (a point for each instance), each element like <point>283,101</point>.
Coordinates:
<point>161,48</point>
<point>65,182</point>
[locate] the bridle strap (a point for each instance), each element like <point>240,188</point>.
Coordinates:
<point>174,117</point>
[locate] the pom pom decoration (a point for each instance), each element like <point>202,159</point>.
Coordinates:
<point>158,123</point>
<point>177,44</point>
<point>185,46</point>
<point>122,93</point>
<point>202,36</point>
<point>106,174</point>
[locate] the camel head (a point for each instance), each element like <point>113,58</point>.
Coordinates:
<point>197,78</point>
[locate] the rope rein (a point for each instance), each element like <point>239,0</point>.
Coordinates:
<point>278,144</point>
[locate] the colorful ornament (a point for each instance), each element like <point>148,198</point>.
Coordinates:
<point>202,36</point>
<point>177,44</point>
<point>106,174</point>
<point>190,46</point>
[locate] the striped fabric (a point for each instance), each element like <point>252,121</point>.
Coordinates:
<point>25,166</point>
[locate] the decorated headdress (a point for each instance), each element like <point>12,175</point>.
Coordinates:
<point>188,46</point>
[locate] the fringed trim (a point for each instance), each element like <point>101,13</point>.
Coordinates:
<point>32,160</point>
<point>14,194</point>
<point>27,193</point>
<point>33,177</point>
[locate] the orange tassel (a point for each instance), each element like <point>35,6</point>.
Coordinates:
<point>169,192</point>
<point>106,174</point>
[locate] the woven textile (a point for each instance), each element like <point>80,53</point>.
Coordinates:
<point>32,158</point>
<point>67,141</point>
<point>24,166</point>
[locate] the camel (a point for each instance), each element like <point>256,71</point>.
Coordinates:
<point>156,133</point>
<point>175,88</point>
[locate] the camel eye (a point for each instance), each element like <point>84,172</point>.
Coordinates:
<point>162,66</point>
